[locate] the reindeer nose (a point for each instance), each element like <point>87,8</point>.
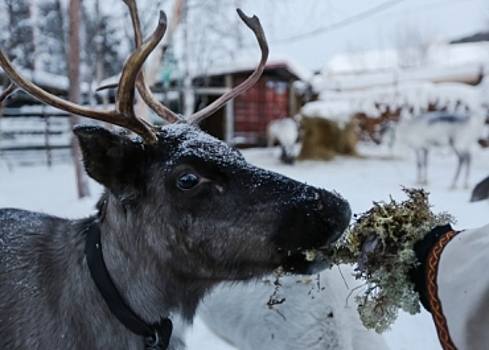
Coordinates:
<point>344,217</point>
<point>314,221</point>
<point>336,212</point>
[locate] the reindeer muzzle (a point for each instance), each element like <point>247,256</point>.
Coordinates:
<point>309,228</point>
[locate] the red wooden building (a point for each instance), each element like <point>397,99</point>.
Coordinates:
<point>243,121</point>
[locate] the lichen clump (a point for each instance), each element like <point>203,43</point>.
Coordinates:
<point>380,242</point>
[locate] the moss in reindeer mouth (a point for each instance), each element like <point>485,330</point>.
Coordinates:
<point>381,244</point>
<point>310,254</point>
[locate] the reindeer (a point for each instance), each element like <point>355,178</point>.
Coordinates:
<point>459,131</point>
<point>286,132</point>
<point>481,191</point>
<point>181,211</point>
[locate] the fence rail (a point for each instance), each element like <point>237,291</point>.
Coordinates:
<point>43,132</point>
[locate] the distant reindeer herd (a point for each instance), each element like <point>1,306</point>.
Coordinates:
<point>458,131</point>
<point>461,130</point>
<point>446,122</point>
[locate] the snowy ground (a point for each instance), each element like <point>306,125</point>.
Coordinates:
<point>361,180</point>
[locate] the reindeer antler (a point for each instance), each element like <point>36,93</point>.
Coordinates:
<point>131,77</point>
<point>254,24</point>
<point>141,85</point>
<point>123,114</point>
<point>9,90</point>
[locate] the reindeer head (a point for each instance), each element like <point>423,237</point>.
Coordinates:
<point>176,193</point>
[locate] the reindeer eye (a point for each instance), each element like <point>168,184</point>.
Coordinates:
<point>187,181</point>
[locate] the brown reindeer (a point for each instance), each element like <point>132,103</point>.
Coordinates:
<point>181,212</point>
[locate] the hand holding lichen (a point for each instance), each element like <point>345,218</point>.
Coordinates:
<point>380,242</point>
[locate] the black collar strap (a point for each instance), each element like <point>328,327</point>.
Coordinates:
<point>156,336</point>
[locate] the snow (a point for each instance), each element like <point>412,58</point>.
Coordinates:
<point>47,80</point>
<point>440,63</point>
<point>460,72</point>
<point>196,143</point>
<point>381,60</point>
<point>246,65</point>
<point>411,97</point>
<point>340,110</point>
<point>374,176</point>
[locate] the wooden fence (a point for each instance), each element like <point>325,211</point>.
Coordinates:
<point>33,134</point>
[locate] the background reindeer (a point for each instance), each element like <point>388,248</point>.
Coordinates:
<point>480,191</point>
<point>455,130</point>
<point>286,132</point>
<point>181,212</point>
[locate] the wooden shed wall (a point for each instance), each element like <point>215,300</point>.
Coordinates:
<point>267,100</point>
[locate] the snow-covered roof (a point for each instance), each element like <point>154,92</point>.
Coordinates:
<point>436,74</point>
<point>47,80</point>
<point>442,63</point>
<point>408,97</point>
<point>112,80</point>
<point>382,60</point>
<point>34,109</point>
<point>339,110</point>
<point>292,66</point>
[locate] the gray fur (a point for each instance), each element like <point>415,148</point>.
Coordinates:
<point>164,247</point>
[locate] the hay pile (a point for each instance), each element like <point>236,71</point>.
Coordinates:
<point>380,242</point>
<point>322,139</point>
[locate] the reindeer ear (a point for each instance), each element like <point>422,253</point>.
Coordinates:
<point>113,160</point>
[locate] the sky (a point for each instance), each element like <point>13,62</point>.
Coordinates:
<point>323,28</point>
<point>311,32</point>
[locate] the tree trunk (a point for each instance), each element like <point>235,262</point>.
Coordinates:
<point>74,93</point>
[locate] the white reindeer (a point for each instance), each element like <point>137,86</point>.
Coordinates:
<point>317,320</point>
<point>456,130</point>
<point>284,131</point>
<point>309,313</point>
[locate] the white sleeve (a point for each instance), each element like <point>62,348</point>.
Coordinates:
<point>463,288</point>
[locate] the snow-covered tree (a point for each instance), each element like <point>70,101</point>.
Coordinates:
<point>100,40</point>
<point>412,46</point>
<point>51,38</point>
<point>102,48</point>
<point>19,39</point>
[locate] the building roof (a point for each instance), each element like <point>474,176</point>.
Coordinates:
<point>408,97</point>
<point>442,63</point>
<point>244,66</point>
<point>481,36</point>
<point>48,81</point>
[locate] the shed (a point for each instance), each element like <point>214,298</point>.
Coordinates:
<point>55,84</point>
<point>277,94</point>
